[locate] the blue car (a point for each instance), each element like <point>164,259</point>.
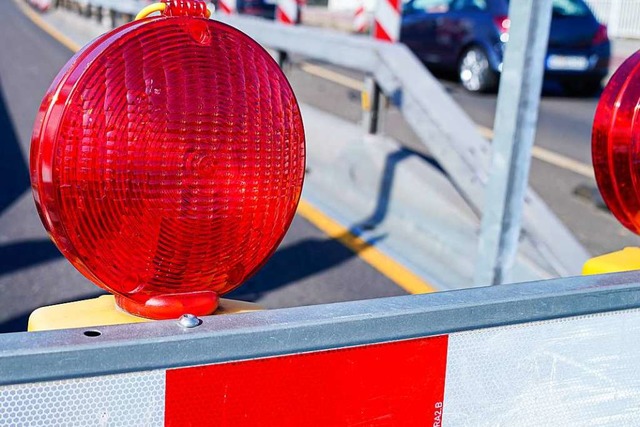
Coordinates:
<point>261,8</point>
<point>469,36</point>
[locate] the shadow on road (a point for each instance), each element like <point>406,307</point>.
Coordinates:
<point>292,263</point>
<point>14,173</point>
<point>16,324</point>
<point>312,256</point>
<point>18,255</point>
<point>550,88</point>
<point>14,176</point>
<point>19,323</point>
<point>386,183</point>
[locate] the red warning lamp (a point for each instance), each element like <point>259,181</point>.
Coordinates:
<point>616,144</point>
<point>167,161</point>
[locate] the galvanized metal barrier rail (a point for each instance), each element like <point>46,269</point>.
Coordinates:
<point>442,126</point>
<point>545,352</point>
<point>446,131</point>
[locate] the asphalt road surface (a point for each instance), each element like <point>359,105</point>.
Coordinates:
<point>309,267</point>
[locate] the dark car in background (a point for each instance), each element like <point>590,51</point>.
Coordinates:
<point>469,36</point>
<point>261,8</point>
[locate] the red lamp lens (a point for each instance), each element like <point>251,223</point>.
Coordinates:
<point>616,144</point>
<point>167,162</point>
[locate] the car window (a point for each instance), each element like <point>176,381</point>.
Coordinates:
<point>429,6</point>
<point>569,8</point>
<point>469,5</point>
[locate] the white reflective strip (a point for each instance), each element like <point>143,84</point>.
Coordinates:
<point>289,8</point>
<point>360,21</point>
<point>388,18</point>
<point>135,399</point>
<point>229,4</point>
<point>580,371</point>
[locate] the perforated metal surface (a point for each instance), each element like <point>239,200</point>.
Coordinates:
<point>579,371</point>
<point>576,371</point>
<point>135,399</point>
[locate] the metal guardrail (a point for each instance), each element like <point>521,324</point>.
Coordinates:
<point>446,131</point>
<point>474,357</point>
<point>117,11</point>
<point>442,126</point>
<point>53,355</point>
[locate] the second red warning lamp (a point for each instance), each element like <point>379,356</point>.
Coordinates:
<point>616,144</point>
<point>167,161</point>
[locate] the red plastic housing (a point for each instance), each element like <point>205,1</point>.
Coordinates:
<point>615,144</point>
<point>167,162</point>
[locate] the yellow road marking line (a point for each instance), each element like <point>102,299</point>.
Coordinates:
<point>393,270</point>
<point>47,28</point>
<point>333,76</point>
<point>396,272</point>
<point>563,162</point>
<point>486,132</point>
<point>551,157</point>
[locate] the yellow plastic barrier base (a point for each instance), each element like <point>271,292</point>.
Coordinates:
<point>103,311</point>
<point>627,259</point>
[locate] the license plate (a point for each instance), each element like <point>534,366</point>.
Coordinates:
<point>570,63</point>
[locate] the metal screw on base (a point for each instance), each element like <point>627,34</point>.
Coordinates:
<point>189,321</point>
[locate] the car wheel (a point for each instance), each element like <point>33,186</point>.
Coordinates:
<point>475,72</point>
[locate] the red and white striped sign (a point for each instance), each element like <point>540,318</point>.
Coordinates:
<point>572,371</point>
<point>360,21</point>
<point>387,20</point>
<point>287,12</point>
<point>42,5</point>
<point>227,6</point>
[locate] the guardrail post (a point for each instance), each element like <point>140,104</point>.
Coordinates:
<point>282,58</point>
<point>112,16</point>
<point>371,105</point>
<point>99,14</point>
<point>515,129</point>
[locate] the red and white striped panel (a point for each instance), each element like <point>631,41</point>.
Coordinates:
<point>287,12</point>
<point>387,20</point>
<point>227,6</point>
<point>574,371</point>
<point>41,5</point>
<point>360,21</point>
